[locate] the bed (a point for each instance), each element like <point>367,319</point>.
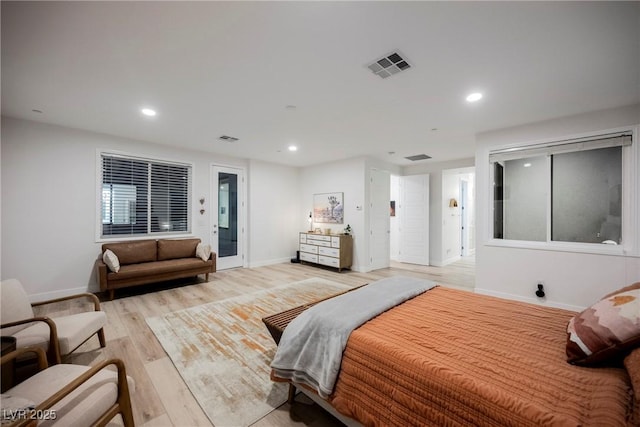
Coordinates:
<point>452,357</point>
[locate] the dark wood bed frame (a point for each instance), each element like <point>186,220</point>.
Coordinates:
<point>276,323</point>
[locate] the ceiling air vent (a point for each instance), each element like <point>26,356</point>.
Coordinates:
<point>389,65</point>
<point>228,138</point>
<point>418,157</point>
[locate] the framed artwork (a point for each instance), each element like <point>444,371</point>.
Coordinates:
<point>393,208</point>
<point>328,208</point>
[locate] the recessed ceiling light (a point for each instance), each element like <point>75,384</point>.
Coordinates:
<point>293,148</point>
<point>148,112</point>
<point>527,165</point>
<point>473,97</point>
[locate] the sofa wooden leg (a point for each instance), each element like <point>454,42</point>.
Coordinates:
<point>111,294</point>
<point>101,338</point>
<point>206,277</point>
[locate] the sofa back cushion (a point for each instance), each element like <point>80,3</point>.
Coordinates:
<point>173,249</point>
<point>133,252</point>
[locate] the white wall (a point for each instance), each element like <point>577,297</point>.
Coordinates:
<point>350,177</point>
<point>49,203</point>
<point>273,228</point>
<point>437,255</point>
<point>573,280</point>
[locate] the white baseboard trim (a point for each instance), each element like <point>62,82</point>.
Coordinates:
<point>269,262</point>
<point>438,263</point>
<point>359,269</point>
<point>44,296</point>
<point>537,301</point>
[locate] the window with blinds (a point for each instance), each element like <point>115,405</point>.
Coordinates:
<point>143,197</point>
<point>567,191</point>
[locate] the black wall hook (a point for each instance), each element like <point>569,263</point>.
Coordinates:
<point>540,291</point>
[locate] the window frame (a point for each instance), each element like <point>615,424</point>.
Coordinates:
<point>630,200</point>
<point>99,237</point>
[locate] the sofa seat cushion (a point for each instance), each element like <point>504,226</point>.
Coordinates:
<point>133,252</point>
<point>72,331</point>
<point>175,249</point>
<point>150,269</point>
<point>84,405</point>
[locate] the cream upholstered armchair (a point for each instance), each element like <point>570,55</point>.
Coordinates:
<point>68,395</point>
<point>59,336</point>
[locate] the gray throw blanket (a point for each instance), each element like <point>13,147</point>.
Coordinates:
<point>311,347</point>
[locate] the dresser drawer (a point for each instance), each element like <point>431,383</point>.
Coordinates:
<point>308,248</point>
<point>308,257</point>
<point>318,238</point>
<point>335,242</point>
<point>325,260</point>
<point>303,238</point>
<point>333,252</point>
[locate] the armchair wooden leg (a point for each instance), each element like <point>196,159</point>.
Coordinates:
<point>111,294</point>
<point>206,277</point>
<point>101,338</point>
<point>53,353</point>
<point>126,411</point>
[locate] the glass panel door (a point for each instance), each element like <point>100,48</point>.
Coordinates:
<point>227,227</point>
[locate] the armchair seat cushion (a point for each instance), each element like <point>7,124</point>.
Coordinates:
<point>84,405</point>
<point>73,330</point>
<point>157,268</point>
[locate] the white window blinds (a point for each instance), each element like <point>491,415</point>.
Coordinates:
<point>141,196</point>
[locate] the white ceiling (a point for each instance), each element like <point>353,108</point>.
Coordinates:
<point>214,68</point>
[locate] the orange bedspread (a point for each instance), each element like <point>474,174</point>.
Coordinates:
<point>450,357</point>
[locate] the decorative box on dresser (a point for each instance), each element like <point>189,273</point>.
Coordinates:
<point>333,250</point>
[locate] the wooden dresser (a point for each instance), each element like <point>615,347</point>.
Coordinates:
<point>333,250</point>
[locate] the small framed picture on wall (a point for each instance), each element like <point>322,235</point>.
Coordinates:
<point>328,208</point>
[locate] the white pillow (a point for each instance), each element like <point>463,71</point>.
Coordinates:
<point>203,251</point>
<point>111,260</point>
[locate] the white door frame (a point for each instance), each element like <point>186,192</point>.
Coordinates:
<point>464,220</point>
<point>240,260</point>
<point>379,210</point>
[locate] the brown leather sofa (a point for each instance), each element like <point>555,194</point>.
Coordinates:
<point>150,261</point>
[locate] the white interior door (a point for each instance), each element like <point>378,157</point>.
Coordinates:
<point>227,219</point>
<point>414,219</point>
<point>379,190</point>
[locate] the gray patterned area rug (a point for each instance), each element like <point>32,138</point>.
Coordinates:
<point>222,349</point>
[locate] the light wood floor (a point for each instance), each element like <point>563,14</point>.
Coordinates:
<point>161,397</point>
